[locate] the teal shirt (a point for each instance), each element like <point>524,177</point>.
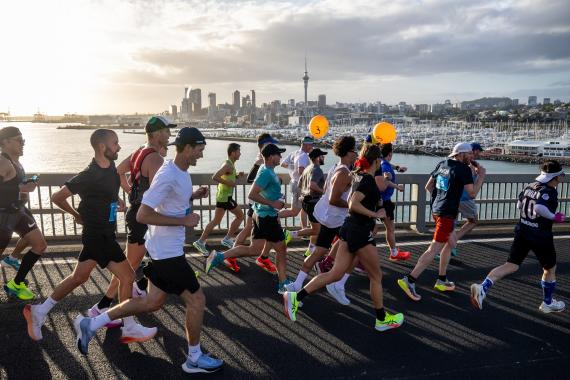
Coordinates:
<point>270,186</point>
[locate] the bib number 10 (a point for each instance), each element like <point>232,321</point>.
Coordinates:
<point>527,208</point>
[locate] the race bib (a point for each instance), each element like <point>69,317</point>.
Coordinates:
<point>442,183</point>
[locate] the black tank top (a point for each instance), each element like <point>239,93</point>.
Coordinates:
<point>10,190</point>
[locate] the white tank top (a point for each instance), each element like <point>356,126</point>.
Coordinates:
<point>327,214</point>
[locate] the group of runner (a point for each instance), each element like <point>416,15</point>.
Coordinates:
<point>341,208</point>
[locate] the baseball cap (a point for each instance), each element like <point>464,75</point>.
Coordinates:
<point>189,135</point>
<point>9,132</point>
<point>271,149</point>
<point>461,148</point>
<point>316,153</point>
<point>267,140</point>
<point>308,140</point>
<point>156,123</point>
<point>477,146</point>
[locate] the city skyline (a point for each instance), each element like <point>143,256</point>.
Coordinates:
<point>93,57</point>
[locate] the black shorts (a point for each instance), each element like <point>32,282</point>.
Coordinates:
<point>172,275</point>
<point>250,210</point>
<point>21,222</point>
<point>357,236</point>
<point>267,228</point>
<point>230,204</point>
<point>102,248</point>
<point>543,249</point>
<point>389,207</point>
<point>135,230</point>
<point>308,205</point>
<point>326,236</point>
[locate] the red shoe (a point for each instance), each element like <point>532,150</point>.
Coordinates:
<point>232,264</point>
<point>401,256</point>
<point>325,265</point>
<point>266,265</point>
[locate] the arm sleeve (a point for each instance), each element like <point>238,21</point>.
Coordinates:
<point>158,190</point>
<point>80,182</point>
<point>252,173</point>
<point>543,211</point>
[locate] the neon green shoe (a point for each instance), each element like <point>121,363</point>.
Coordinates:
<point>21,291</point>
<point>391,321</point>
<point>290,305</point>
<point>288,236</point>
<point>307,252</point>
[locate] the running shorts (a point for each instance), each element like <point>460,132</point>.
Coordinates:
<point>326,236</point>
<point>444,226</point>
<point>267,228</point>
<point>173,275</point>
<point>21,222</point>
<point>101,247</point>
<point>135,230</point>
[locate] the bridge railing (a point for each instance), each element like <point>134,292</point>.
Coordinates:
<point>496,202</point>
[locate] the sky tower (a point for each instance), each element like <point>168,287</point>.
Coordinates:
<point>306,81</point>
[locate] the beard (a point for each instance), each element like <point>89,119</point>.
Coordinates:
<point>110,155</point>
<point>322,161</point>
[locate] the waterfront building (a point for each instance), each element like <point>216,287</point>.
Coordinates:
<point>532,101</point>
<point>525,147</point>
<point>174,111</point>
<point>236,97</point>
<point>515,102</point>
<point>556,148</point>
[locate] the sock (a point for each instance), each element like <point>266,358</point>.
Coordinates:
<point>340,283</point>
<point>548,290</point>
<point>263,257</point>
<point>99,321</point>
<point>311,247</point>
<point>46,306</point>
<point>300,279</point>
<point>394,252</point>
<point>411,279</point>
<point>194,352</point>
<point>294,234</point>
<point>487,284</point>
<point>380,314</point>
<point>142,283</point>
<point>104,303</point>
<point>302,294</point>
<point>28,262</point>
<point>442,278</point>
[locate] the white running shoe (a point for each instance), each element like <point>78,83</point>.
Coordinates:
<point>137,292</point>
<point>553,307</point>
<point>137,333</point>
<point>338,294</point>
<point>228,242</point>
<point>94,311</point>
<point>477,296</point>
<point>292,287</point>
<point>35,321</point>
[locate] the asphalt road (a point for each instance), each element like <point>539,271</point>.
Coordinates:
<point>443,336</point>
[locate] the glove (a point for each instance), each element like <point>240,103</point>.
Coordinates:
<point>559,217</point>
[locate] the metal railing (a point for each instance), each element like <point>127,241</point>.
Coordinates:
<point>496,203</point>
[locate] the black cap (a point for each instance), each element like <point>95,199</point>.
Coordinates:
<point>156,123</point>
<point>189,135</point>
<point>271,149</point>
<point>9,132</point>
<point>317,153</point>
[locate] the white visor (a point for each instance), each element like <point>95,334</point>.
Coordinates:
<point>547,177</point>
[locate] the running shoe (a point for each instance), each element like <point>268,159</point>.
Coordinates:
<point>454,252</point>
<point>477,296</point>
<point>359,269</point>
<point>288,236</point>
<point>292,287</point>
<point>444,286</point>
<point>228,242</point>
<point>325,265</point>
<point>553,307</point>
<point>95,311</point>
<point>84,333</point>
<point>213,260</point>
<point>266,265</point>
<point>338,294</point>
<point>204,364</point>
<point>409,289</point>
<point>391,321</point>
<point>137,292</point>
<point>201,247</point>
<point>232,264</point>
<point>34,321</point>
<point>137,333</point>
<point>282,286</point>
<point>21,291</point>
<point>11,262</point>
<point>290,305</point>
<point>307,252</point>
<point>400,256</point>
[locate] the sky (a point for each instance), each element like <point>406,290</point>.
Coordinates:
<point>117,56</point>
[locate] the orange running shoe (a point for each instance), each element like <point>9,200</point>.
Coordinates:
<point>266,265</point>
<point>232,264</point>
<point>401,256</point>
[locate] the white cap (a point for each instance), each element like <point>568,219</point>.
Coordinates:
<point>461,148</point>
<point>545,177</point>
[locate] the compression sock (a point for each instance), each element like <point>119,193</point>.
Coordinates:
<point>28,261</point>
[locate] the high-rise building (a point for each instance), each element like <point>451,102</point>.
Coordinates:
<point>515,102</point>
<point>253,99</point>
<point>291,103</point>
<point>322,103</point>
<point>195,97</point>
<point>211,102</point>
<point>306,80</point>
<point>174,111</point>
<point>532,101</point>
<point>236,102</point>
<point>546,101</point>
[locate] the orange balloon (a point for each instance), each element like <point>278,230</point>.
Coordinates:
<point>384,132</point>
<point>318,126</point>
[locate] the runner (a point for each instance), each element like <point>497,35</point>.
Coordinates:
<point>311,186</point>
<point>226,177</point>
<point>330,211</point>
<point>449,179</point>
<point>356,243</point>
<point>98,188</point>
<point>537,204</point>
<point>142,165</point>
<point>267,198</point>
<point>14,216</point>
<point>165,207</point>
